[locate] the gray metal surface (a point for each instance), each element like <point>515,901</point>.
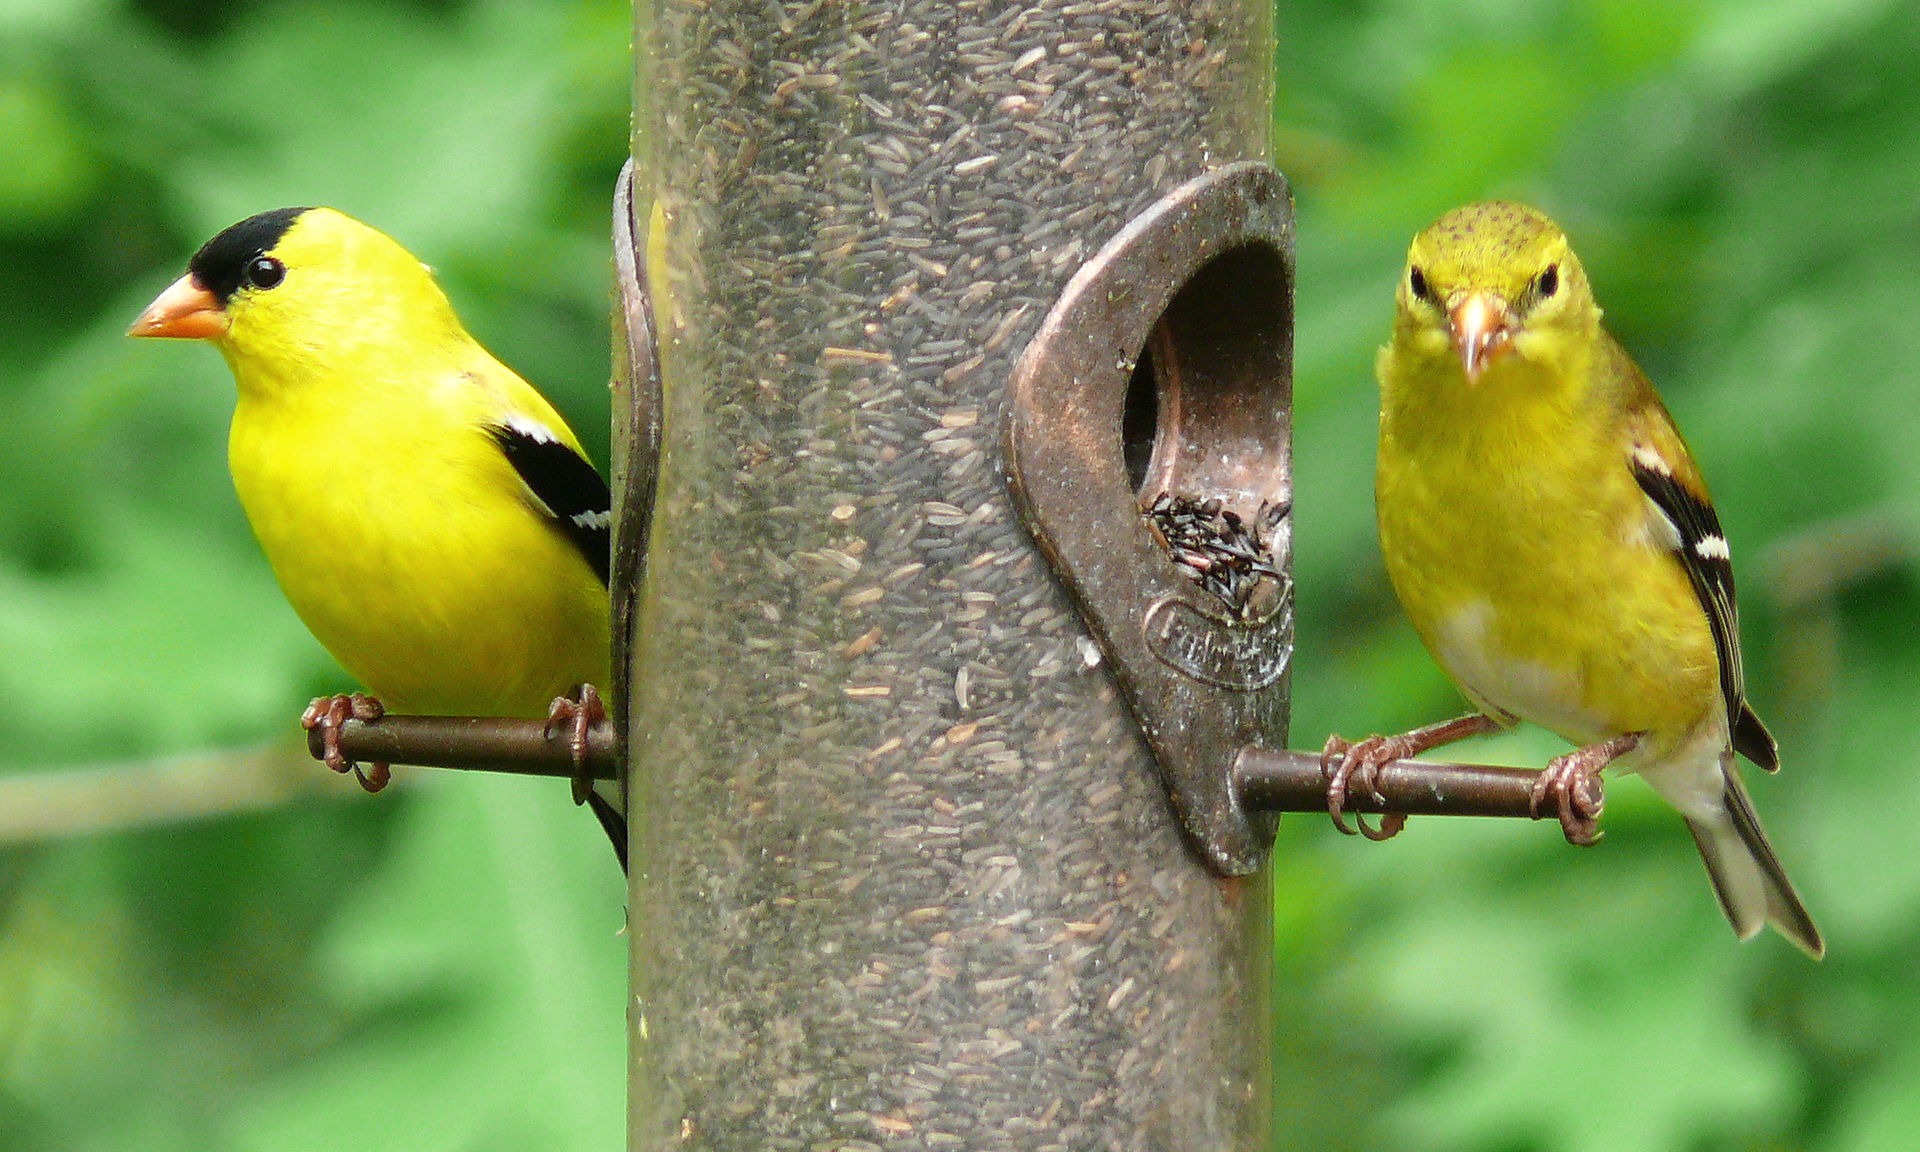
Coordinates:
<point>904,875</point>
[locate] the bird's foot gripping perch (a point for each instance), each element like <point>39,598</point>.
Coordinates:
<point>328,713</point>
<point>1569,783</point>
<point>1359,768</point>
<point>1360,764</point>
<point>580,712</point>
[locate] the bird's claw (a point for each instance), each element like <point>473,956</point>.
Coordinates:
<point>1570,787</point>
<point>580,715</point>
<point>1359,765</point>
<point>328,713</point>
<point>1572,783</point>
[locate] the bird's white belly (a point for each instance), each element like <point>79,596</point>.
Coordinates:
<point>1548,694</point>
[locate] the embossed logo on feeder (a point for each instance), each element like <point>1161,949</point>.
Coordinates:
<point>1246,656</point>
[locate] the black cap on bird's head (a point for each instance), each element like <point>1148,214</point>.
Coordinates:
<point>312,277</point>
<point>194,307</point>
<point>222,264</point>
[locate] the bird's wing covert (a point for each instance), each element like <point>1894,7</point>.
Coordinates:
<point>1701,548</point>
<point>562,480</point>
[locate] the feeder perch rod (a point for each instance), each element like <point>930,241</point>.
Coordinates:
<point>482,743</point>
<point>1294,782</point>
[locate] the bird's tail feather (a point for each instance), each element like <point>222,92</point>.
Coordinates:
<point>1747,877</point>
<point>613,820</point>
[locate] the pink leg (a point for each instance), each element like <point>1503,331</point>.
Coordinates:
<point>581,711</point>
<point>1568,782</point>
<point>328,713</point>
<point>1360,766</point>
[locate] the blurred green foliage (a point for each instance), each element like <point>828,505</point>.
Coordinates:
<point>439,969</point>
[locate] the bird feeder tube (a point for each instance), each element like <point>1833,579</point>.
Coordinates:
<point>904,871</point>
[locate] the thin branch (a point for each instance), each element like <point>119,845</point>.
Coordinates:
<point>483,744</point>
<point>54,804</point>
<point>1294,782</point>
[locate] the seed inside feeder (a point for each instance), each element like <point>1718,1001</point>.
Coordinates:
<point>1217,548</point>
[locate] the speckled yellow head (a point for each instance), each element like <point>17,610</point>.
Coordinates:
<point>1489,283</point>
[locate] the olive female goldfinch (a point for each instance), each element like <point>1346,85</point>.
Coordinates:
<point>1552,541</point>
<point>428,514</point>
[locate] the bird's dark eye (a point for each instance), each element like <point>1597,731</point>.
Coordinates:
<point>265,272</point>
<point>1417,284</point>
<point>1548,282</point>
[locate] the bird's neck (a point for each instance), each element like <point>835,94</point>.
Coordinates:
<point>1428,406</point>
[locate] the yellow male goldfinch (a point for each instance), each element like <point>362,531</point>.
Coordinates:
<point>428,514</point>
<point>1552,540</point>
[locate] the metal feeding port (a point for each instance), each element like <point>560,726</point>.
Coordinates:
<point>1149,443</point>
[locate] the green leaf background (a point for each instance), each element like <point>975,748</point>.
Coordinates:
<point>441,967</point>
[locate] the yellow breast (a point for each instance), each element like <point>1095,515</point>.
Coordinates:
<point>1521,551</point>
<point>406,544</point>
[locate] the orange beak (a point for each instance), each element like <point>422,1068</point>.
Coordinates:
<point>1480,332</point>
<point>185,311</point>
